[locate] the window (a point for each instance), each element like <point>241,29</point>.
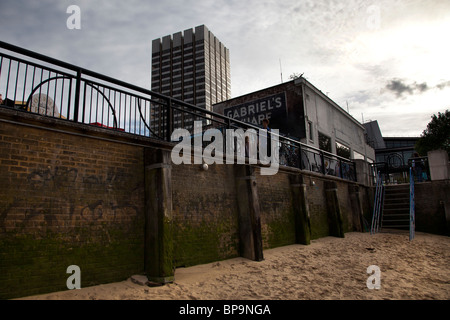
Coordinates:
<point>310,131</point>
<point>324,142</point>
<point>342,150</point>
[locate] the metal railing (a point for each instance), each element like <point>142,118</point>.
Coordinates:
<point>378,204</point>
<point>419,168</point>
<point>412,205</point>
<point>31,82</point>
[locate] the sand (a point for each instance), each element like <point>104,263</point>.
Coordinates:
<point>329,268</point>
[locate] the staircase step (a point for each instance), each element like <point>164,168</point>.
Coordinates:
<point>396,211</point>
<point>397,192</point>
<point>394,206</point>
<point>391,198</point>
<point>398,186</point>
<point>396,196</point>
<point>393,230</point>
<point>395,226</point>
<point>398,208</point>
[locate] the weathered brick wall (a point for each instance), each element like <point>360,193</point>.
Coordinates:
<point>78,198</point>
<point>345,206</point>
<point>67,200</point>
<point>277,216</point>
<point>205,214</point>
<point>317,207</point>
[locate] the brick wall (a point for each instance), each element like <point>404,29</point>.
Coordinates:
<point>317,207</point>
<point>277,216</point>
<point>345,206</point>
<point>67,200</point>
<point>205,214</point>
<point>74,195</point>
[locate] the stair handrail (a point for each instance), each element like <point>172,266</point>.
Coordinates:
<point>412,213</point>
<point>377,204</point>
<point>381,207</point>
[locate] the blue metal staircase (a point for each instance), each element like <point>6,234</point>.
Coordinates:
<point>394,208</point>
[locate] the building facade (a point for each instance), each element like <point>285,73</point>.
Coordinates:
<point>393,154</point>
<point>301,111</point>
<point>193,66</point>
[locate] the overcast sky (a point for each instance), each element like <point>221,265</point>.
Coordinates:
<point>386,60</point>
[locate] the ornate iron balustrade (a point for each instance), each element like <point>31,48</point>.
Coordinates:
<point>36,83</point>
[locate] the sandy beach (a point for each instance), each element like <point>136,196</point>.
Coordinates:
<point>329,268</point>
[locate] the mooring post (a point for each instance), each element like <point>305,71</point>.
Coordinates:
<point>158,216</point>
<point>357,208</point>
<point>250,239</point>
<point>301,209</point>
<point>334,211</point>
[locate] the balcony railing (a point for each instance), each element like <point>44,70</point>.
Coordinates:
<point>35,83</point>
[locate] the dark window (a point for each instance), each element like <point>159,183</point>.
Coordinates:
<point>324,142</point>
<point>342,150</point>
<point>310,131</point>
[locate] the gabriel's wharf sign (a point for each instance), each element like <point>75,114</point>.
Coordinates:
<point>255,111</point>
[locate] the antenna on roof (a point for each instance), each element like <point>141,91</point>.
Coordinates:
<point>281,72</point>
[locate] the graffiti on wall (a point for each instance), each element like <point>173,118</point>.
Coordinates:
<point>60,197</point>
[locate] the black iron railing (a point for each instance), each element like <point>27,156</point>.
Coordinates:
<point>420,168</point>
<point>31,82</point>
<point>395,174</point>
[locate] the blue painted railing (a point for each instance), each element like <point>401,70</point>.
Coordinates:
<point>377,207</point>
<point>412,213</point>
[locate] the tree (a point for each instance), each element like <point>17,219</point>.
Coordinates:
<point>436,135</point>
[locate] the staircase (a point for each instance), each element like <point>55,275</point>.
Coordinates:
<point>396,208</point>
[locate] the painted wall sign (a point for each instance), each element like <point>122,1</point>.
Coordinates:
<point>255,111</point>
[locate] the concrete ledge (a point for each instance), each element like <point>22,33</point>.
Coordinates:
<point>69,127</point>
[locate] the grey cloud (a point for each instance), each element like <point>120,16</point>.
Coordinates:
<point>399,87</point>
<point>443,85</point>
<point>422,87</point>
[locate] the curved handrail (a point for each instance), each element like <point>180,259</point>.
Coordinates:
<point>42,83</point>
<point>107,100</point>
<point>142,117</point>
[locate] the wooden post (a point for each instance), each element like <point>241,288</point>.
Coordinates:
<point>357,208</point>
<point>301,210</point>
<point>250,239</point>
<point>333,209</point>
<point>158,216</point>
